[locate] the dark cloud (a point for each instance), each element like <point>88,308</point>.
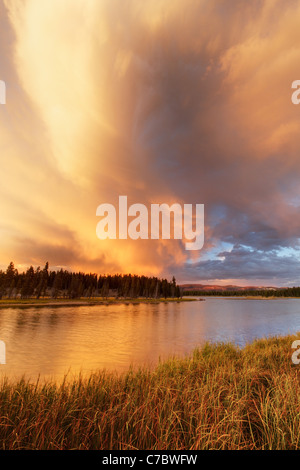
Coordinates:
<point>253,265</point>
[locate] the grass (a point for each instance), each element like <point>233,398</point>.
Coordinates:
<point>219,397</point>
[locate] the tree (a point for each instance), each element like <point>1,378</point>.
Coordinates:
<point>105,289</point>
<point>28,286</point>
<point>173,287</point>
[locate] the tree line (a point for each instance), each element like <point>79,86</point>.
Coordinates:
<point>280,292</point>
<point>40,283</point>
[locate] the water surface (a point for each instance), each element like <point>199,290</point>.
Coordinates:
<point>51,342</point>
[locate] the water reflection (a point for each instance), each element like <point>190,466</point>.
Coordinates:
<point>52,341</point>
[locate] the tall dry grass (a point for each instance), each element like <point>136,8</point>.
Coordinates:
<point>220,397</point>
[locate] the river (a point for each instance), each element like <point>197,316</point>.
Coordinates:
<point>50,342</point>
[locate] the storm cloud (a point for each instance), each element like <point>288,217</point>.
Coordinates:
<point>184,101</point>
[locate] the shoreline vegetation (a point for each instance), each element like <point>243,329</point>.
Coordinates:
<point>271,293</point>
<point>40,284</point>
<point>219,397</point>
<point>61,302</point>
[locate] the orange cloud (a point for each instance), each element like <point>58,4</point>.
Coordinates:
<point>162,101</point>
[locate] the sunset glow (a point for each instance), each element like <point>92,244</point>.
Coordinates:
<point>164,101</point>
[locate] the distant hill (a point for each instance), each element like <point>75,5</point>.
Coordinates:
<point>228,288</point>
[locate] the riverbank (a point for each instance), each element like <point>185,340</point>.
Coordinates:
<point>219,397</point>
<point>84,302</point>
<point>244,297</point>
<point>241,296</point>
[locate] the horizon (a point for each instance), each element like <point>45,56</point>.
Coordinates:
<point>23,268</point>
<point>165,102</point>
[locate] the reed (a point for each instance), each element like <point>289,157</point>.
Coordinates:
<point>219,397</point>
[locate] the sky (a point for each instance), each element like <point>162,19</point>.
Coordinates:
<point>164,101</point>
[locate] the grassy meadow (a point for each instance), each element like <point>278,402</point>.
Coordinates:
<point>219,397</point>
